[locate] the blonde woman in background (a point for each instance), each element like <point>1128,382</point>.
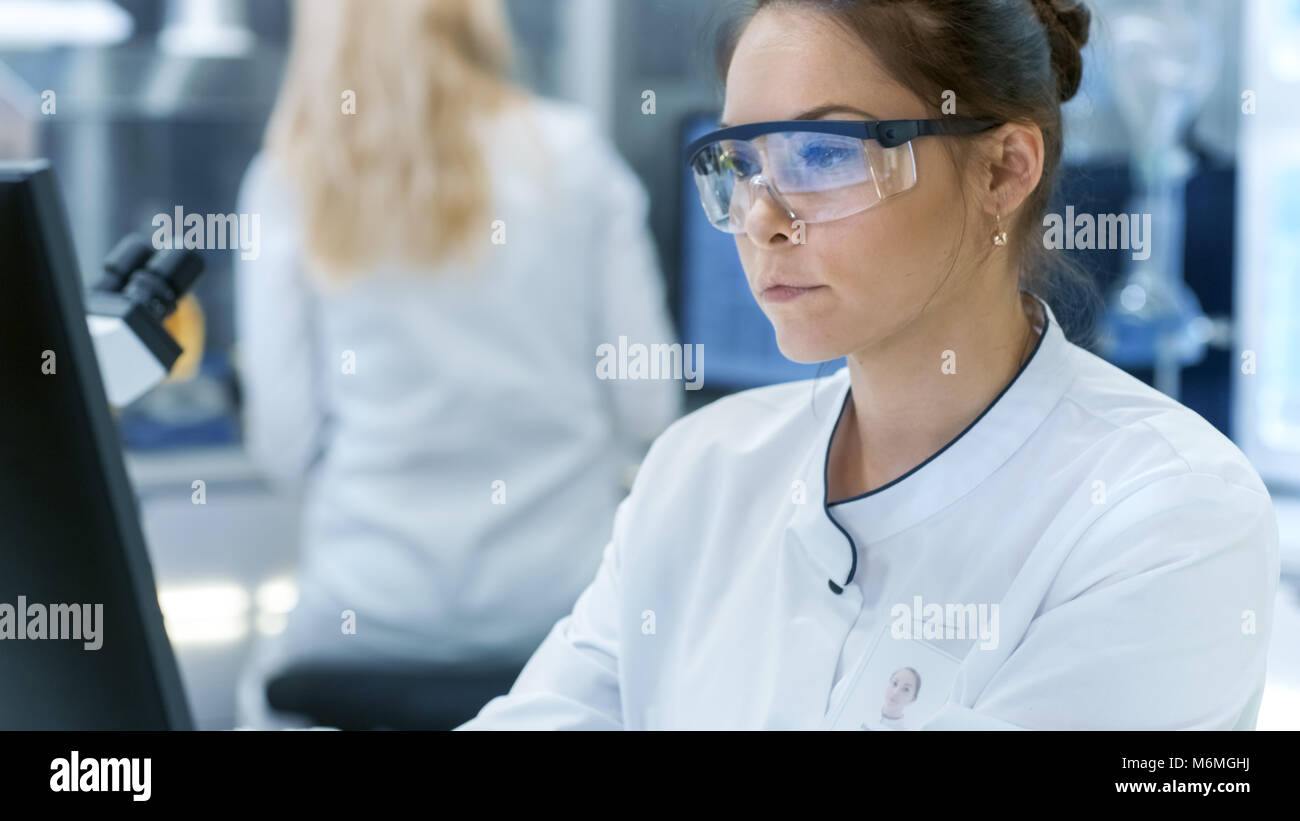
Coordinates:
<point>443,253</point>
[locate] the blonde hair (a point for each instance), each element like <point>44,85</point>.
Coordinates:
<point>403,175</point>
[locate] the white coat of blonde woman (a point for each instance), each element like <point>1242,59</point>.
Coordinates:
<point>442,256</point>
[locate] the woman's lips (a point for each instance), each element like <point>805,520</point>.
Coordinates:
<point>786,293</point>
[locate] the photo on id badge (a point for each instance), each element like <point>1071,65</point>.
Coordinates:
<point>904,682</point>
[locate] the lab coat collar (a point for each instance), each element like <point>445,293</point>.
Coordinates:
<point>952,472</point>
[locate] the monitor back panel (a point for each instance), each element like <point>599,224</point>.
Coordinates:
<point>81,638</point>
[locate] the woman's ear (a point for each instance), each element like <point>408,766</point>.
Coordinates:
<point>1014,153</point>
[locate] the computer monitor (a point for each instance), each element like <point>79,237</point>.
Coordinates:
<point>82,644</point>
<point>715,307</point>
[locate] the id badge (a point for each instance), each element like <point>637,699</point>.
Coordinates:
<point>899,684</point>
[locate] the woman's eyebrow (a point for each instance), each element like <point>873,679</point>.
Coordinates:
<point>822,110</point>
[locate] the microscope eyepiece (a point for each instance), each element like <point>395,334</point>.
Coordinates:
<point>128,256</point>
<point>163,280</point>
<point>179,267</point>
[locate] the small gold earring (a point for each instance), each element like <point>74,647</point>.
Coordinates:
<point>999,236</point>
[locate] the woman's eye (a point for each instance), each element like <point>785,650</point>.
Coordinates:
<point>823,156</point>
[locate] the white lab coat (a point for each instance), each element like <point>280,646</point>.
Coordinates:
<point>459,460</point>
<point>1131,550</point>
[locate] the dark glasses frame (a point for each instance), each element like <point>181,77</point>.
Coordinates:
<point>889,133</point>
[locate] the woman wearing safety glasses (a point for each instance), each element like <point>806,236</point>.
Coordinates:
<point>1055,544</point>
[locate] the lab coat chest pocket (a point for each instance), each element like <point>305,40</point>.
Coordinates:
<point>902,680</point>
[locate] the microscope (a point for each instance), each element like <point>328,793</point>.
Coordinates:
<point>125,310</point>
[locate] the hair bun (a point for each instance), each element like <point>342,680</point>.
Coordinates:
<point>1067,23</point>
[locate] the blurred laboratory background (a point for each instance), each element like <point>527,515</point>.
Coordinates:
<point>1188,112</point>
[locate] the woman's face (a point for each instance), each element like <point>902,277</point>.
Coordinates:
<point>900,692</point>
<point>863,278</point>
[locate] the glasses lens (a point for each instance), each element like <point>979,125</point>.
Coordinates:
<point>820,177</point>
<point>722,171</point>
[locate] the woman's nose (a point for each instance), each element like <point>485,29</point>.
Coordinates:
<point>770,221</point>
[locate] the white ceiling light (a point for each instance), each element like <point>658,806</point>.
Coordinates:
<point>206,28</point>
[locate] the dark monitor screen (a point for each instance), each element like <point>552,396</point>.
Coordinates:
<point>716,308</point>
<point>82,644</point>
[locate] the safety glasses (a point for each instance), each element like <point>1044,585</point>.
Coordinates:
<point>813,170</point>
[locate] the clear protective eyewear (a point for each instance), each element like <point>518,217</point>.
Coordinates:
<point>813,170</point>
